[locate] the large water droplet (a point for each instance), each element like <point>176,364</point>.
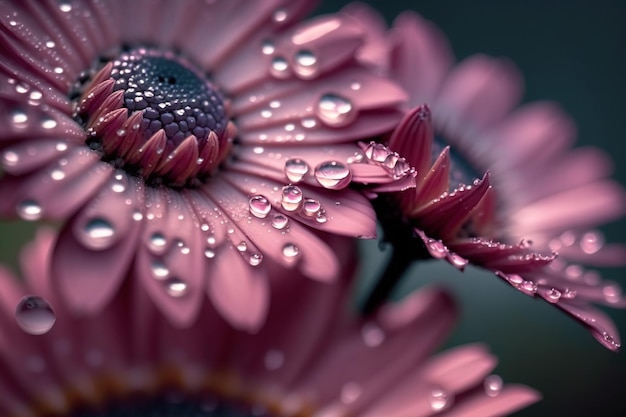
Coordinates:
<point>274,359</point>
<point>440,399</point>
<point>333,175</point>
<point>311,207</point>
<point>280,221</point>
<point>290,251</point>
<point>493,385</point>
<point>306,64</point>
<point>335,110</point>
<point>29,210</point>
<point>291,197</point>
<point>296,169</point>
<point>176,287</point>
<point>97,234</point>
<point>372,334</point>
<point>34,315</point>
<point>259,206</point>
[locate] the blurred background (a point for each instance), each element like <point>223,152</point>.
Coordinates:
<point>572,52</point>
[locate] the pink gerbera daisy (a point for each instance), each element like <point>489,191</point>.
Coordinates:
<point>310,359</point>
<point>188,141</point>
<point>498,187</point>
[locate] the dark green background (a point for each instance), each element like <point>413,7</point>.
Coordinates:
<point>571,52</point>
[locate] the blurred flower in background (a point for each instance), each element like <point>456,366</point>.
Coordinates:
<point>311,358</point>
<point>192,142</point>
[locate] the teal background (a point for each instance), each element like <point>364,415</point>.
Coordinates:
<point>571,52</point>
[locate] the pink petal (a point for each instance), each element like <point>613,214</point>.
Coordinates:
<point>512,398</point>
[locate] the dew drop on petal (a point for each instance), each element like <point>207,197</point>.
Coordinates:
<point>274,359</point>
<point>308,122</point>
<point>48,123</point>
<point>19,118</point>
<point>306,64</point>
<point>440,399</point>
<point>159,270</point>
<point>255,259</point>
<point>290,251</point>
<point>350,392</point>
<point>97,233</point>
<point>296,169</point>
<point>137,216</point>
<point>528,287</point>
<point>311,207</point>
<point>493,385</point>
<point>176,287</point>
<point>372,334</point>
<point>267,47</point>
<point>157,241</point>
<point>34,315</point>
<point>279,67</point>
<point>209,253</point>
<point>280,15</point>
<point>333,175</point>
<point>65,6</point>
<point>553,295</point>
<point>280,221</point>
<point>591,242</point>
<point>569,294</point>
<point>335,110</point>
<point>291,197</point>
<point>10,159</point>
<point>29,210</point>
<point>259,206</point>
<point>612,293</point>
<point>57,174</point>
<point>242,246</point>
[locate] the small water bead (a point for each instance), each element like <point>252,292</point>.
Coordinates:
<point>493,385</point>
<point>335,110</point>
<point>34,315</point>
<point>291,197</point>
<point>274,359</point>
<point>57,174</point>
<point>19,118</point>
<point>267,47</point>
<point>10,159</point>
<point>65,6</point>
<point>290,251</point>
<point>255,259</point>
<point>137,216</point>
<point>311,207</point>
<point>553,295</point>
<point>306,64</point>
<point>280,221</point>
<point>612,293</point>
<point>97,234</point>
<point>48,123</point>
<point>377,152</point>
<point>279,67</point>
<point>529,287</point>
<point>333,175</point>
<point>321,217</point>
<point>440,399</point>
<point>308,122</point>
<point>591,242</point>
<point>280,15</point>
<point>209,253</point>
<point>610,340</point>
<point>259,206</point>
<point>157,242</point>
<point>176,287</point>
<point>295,169</point>
<point>242,246</point>
<point>159,270</point>
<point>29,210</point>
<point>372,334</point>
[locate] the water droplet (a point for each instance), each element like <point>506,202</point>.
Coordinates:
<point>19,118</point>
<point>612,293</point>
<point>279,67</point>
<point>291,197</point>
<point>377,152</point>
<point>157,242</point>
<point>29,210</point>
<point>274,359</point>
<point>591,242</point>
<point>553,295</point>
<point>255,259</point>
<point>493,385</point>
<point>569,294</point>
<point>529,287</point>
<point>356,86</point>
<point>65,6</point>
<point>259,206</point>
<point>280,221</point>
<point>274,104</point>
<point>436,248</point>
<point>440,399</point>
<point>333,175</point>
<point>57,174</point>
<point>10,159</point>
<point>267,47</point>
<point>176,287</point>
<point>159,270</point>
<point>34,315</point>
<point>335,110</point>
<point>350,392</point>
<point>306,64</point>
<point>258,150</point>
<point>48,123</point>
<point>118,187</point>
<point>137,216</point>
<point>209,253</point>
<point>296,169</point>
<point>308,122</point>
<point>290,251</point>
<point>372,334</point>
<point>280,15</point>
<point>97,234</point>
<point>242,246</point>
<point>311,207</point>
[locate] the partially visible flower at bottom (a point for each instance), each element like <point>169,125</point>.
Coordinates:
<point>304,362</point>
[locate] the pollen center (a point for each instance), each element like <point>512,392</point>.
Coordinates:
<point>156,115</point>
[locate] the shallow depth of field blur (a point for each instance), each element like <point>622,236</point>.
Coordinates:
<point>570,51</point>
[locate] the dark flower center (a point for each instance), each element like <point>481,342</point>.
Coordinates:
<point>170,94</point>
<point>154,114</point>
<point>168,406</point>
<point>462,171</point>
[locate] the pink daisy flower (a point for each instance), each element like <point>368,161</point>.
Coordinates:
<point>498,186</point>
<point>192,142</point>
<point>128,360</point>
